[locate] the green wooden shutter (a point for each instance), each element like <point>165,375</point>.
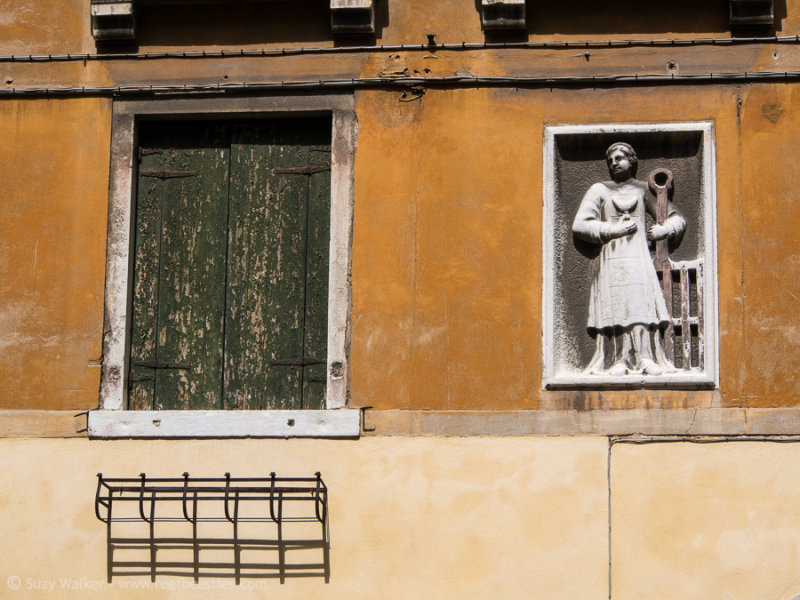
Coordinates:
<point>275,264</point>
<point>179,281</point>
<point>234,282</point>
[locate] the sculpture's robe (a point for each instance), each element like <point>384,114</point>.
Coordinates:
<point>625,288</point>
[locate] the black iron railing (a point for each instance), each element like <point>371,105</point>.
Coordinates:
<point>215,527</point>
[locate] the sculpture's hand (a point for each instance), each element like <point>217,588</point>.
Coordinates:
<point>621,229</point>
<point>659,232</point>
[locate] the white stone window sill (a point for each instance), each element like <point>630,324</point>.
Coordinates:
<point>113,424</point>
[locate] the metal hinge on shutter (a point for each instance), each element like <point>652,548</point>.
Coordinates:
<point>300,362</point>
<point>169,174</point>
<point>156,364</point>
<point>295,362</point>
<point>310,170</point>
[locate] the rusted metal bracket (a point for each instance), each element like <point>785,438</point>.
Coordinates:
<point>413,93</point>
<point>364,427</point>
<point>154,365</point>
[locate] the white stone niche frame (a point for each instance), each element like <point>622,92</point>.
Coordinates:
<point>561,368</point>
<point>111,419</point>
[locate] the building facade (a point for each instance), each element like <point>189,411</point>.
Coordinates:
<point>338,236</point>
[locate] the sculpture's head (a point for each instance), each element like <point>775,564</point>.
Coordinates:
<point>622,161</point>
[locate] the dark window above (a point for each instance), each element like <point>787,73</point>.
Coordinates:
<point>115,20</point>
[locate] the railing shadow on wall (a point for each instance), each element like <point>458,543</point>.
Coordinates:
<point>272,527</point>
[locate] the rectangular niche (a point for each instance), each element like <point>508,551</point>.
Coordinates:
<point>604,325</point>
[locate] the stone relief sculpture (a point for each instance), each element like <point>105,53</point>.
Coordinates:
<point>628,314</point>
<point>629,284</point>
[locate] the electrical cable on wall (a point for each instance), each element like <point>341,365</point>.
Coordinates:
<point>405,83</point>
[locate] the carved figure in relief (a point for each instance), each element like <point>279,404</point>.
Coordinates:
<point>627,311</point>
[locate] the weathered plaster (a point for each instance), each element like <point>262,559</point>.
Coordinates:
<point>447,263</point>
<point>39,26</point>
<point>54,161</point>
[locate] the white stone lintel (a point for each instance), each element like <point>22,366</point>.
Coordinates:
<point>353,16</point>
<point>503,14</point>
<point>343,4</point>
<point>113,20</point>
<point>110,10</point>
<point>111,424</point>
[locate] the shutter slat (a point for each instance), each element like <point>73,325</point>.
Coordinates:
<point>316,309</point>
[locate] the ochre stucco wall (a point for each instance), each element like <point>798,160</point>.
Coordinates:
<point>447,250</point>
<point>447,268</point>
<point>447,246</point>
<point>53,215</point>
<point>42,27</point>
<point>770,246</point>
<point>409,518</point>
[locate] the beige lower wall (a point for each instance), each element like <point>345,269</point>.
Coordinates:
<point>444,517</point>
<point>701,521</point>
<point>478,517</point>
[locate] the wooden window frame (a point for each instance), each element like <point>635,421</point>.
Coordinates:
<point>111,419</point>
